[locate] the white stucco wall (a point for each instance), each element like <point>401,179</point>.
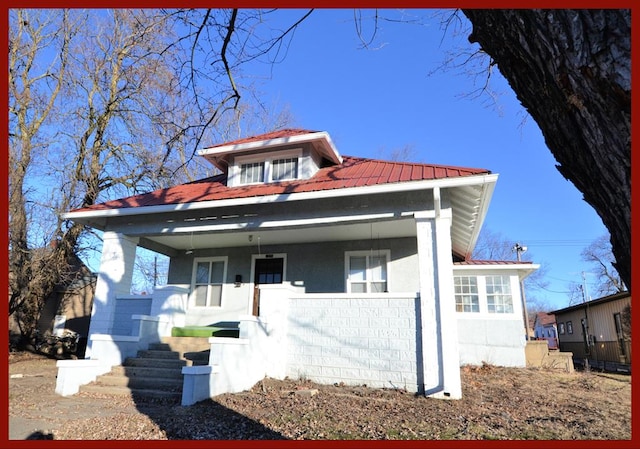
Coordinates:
<point>494,341</point>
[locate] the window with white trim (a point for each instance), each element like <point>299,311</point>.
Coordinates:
<point>274,166</point>
<point>466,293</point>
<point>483,294</point>
<point>499,298</point>
<point>252,173</point>
<point>207,282</point>
<point>367,271</point>
<point>282,169</point>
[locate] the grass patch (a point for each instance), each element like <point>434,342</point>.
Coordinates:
<point>204,331</point>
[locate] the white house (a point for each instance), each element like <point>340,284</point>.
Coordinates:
<point>336,268</point>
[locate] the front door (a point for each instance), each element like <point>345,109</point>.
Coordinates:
<point>269,270</point>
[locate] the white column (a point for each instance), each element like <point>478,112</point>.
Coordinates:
<point>447,307</point>
<point>114,278</point>
<point>440,358</point>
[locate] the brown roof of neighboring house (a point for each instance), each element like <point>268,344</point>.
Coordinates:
<point>545,319</point>
<point>594,302</point>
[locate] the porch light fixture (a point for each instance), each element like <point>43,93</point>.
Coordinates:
<point>238,281</point>
<point>190,250</point>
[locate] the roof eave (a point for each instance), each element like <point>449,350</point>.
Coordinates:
<point>485,201</point>
<point>96,218</point>
<point>524,269</point>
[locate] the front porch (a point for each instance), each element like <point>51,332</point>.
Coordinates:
<point>372,339</point>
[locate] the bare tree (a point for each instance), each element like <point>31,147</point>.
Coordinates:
<point>602,264</point>
<point>492,245</point>
<point>35,84</point>
<point>571,70</point>
<point>106,103</point>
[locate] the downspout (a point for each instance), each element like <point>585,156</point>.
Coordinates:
<point>436,201</point>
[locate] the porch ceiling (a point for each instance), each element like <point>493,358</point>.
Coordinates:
<point>404,227</point>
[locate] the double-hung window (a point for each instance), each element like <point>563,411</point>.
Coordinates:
<point>367,271</point>
<point>208,279</point>
<point>466,292</point>
<point>499,299</point>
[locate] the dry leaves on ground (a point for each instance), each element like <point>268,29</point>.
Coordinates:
<point>497,403</point>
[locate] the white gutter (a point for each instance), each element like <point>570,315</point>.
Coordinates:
<point>301,196</point>
<point>525,268</point>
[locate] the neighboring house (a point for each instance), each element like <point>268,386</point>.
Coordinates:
<point>544,328</point>
<point>337,269</point>
<point>68,307</point>
<point>597,331</point>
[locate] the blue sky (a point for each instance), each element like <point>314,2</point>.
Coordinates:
<point>374,101</point>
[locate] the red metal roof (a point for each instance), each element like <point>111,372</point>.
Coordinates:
<point>491,262</point>
<point>353,172</point>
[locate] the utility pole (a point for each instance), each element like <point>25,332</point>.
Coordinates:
<point>585,328</point>
<point>155,271</point>
<point>521,249</point>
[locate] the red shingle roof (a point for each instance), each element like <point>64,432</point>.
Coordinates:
<point>353,172</point>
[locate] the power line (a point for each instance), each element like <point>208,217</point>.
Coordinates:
<point>553,291</point>
<point>558,242</point>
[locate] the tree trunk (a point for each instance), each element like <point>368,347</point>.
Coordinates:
<point>571,70</point>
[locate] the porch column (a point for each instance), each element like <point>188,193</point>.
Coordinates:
<point>114,278</point>
<point>439,330</point>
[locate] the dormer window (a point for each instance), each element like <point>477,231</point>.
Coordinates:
<point>265,168</point>
<point>252,173</point>
<point>282,169</point>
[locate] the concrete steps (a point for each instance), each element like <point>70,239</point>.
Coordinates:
<point>155,373</point>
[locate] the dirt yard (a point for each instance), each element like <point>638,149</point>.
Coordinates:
<point>498,403</point>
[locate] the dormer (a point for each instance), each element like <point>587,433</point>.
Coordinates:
<point>278,156</point>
